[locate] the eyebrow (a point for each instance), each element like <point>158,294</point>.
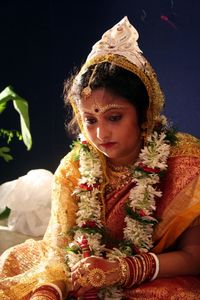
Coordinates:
<point>106,110</point>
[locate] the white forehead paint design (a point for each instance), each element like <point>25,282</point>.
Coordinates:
<point>99,109</point>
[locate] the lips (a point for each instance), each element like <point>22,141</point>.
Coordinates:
<point>108,145</point>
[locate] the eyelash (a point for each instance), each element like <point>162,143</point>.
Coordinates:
<point>114,118</point>
<point>90,121</point>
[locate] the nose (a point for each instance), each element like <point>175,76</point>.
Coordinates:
<point>103,133</point>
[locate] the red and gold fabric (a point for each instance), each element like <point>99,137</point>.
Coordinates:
<point>25,267</point>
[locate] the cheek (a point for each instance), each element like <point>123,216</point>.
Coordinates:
<point>128,127</point>
<point>134,132</point>
<point>90,132</point>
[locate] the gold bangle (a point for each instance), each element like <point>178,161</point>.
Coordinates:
<point>124,270</point>
<point>132,272</point>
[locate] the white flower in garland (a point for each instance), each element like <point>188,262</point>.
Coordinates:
<point>90,169</point>
<point>156,152</point>
<point>141,202</point>
<point>140,222</point>
<point>139,234</point>
<point>89,209</point>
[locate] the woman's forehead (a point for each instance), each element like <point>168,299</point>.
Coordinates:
<point>101,101</point>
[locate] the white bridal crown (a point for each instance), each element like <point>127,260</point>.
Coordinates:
<point>121,39</point>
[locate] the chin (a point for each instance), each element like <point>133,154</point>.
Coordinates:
<point>110,156</point>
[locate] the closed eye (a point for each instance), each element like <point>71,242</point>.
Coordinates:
<point>90,120</point>
<point>115,118</point>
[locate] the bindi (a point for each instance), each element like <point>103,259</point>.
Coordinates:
<point>99,109</point>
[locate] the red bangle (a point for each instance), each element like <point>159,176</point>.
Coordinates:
<point>48,291</point>
<point>141,267</point>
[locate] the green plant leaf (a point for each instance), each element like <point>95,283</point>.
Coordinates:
<point>21,106</point>
<point>2,107</point>
<point>5,213</point>
<point>4,153</point>
<point>10,134</point>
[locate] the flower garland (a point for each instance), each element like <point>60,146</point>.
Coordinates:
<point>140,206</point>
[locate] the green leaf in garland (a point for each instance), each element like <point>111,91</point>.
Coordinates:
<point>171,136</point>
<point>137,217</point>
<point>86,230</point>
<point>75,250</point>
<point>76,150</point>
<point>76,147</point>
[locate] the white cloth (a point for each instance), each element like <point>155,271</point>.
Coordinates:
<point>29,198</point>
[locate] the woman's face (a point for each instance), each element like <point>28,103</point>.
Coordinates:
<point>111,124</point>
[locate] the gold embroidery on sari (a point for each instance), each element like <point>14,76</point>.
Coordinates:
<point>187,145</point>
<point>176,288</point>
<point>180,204</point>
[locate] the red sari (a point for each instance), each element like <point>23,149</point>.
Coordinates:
<point>177,210</point>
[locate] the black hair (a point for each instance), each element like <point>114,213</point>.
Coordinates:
<point>118,81</point>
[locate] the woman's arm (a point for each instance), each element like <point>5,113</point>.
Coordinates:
<point>56,237</point>
<point>184,261</point>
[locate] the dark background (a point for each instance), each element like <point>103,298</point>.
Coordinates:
<point>42,41</point>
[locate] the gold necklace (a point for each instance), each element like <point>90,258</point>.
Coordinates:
<point>119,176</point>
<point>125,168</point>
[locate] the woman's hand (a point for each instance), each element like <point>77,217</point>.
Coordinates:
<point>94,272</point>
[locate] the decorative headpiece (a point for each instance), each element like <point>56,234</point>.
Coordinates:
<point>119,46</point>
<point>121,39</point>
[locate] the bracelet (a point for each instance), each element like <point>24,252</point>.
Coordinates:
<point>137,269</point>
<point>157,263</point>
<point>124,271</point>
<point>133,272</point>
<point>50,291</point>
<point>39,297</point>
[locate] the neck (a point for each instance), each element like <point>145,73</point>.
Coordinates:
<point>127,160</point>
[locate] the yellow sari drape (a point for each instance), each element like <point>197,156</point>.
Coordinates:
<point>26,266</point>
